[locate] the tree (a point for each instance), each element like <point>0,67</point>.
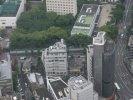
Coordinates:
<point>78,40</point>
<point>39,39</point>
<point>118,12</point>
<point>110,30</point>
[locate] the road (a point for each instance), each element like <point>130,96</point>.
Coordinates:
<point>122,76</point>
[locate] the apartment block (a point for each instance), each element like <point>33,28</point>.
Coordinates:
<point>54,59</point>
<point>62,7</point>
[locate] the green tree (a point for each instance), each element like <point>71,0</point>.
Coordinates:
<point>78,40</point>
<point>110,30</point>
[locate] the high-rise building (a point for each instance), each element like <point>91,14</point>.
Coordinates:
<point>102,65</point>
<point>81,89</point>
<point>62,7</point>
<point>54,59</point>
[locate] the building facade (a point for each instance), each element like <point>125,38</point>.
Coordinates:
<point>81,89</point>
<point>62,7</point>
<point>10,11</point>
<point>54,59</point>
<point>105,0</point>
<point>103,59</point>
<point>6,85</point>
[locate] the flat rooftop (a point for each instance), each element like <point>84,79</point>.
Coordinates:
<point>5,67</point>
<point>78,82</point>
<point>9,8</point>
<point>85,18</point>
<point>59,88</point>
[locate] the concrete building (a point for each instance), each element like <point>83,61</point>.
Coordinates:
<point>54,59</point>
<point>6,86</point>
<point>58,88</point>
<point>105,0</point>
<point>86,20</point>
<point>76,61</point>
<point>90,51</point>
<point>130,43</point>
<point>10,11</point>
<point>62,7</point>
<point>102,65</point>
<point>81,89</point>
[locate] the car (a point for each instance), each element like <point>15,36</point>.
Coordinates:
<point>122,35</point>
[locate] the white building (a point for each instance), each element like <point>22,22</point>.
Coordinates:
<point>10,11</point>
<point>54,59</point>
<point>62,7</point>
<point>58,88</point>
<point>5,75</point>
<point>81,89</point>
<point>86,20</point>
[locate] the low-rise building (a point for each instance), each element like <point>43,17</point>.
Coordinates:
<point>86,20</point>
<point>6,86</point>
<point>10,11</point>
<point>58,88</point>
<point>54,59</point>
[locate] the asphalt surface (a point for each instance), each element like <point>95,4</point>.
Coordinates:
<point>122,76</point>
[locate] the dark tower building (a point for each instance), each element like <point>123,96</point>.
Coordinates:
<point>104,63</point>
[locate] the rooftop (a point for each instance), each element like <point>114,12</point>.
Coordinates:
<point>78,82</point>
<point>59,87</point>
<point>85,18</point>
<point>100,38</point>
<point>57,47</point>
<point>5,67</point>
<point>9,8</point>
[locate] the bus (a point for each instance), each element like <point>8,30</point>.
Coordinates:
<point>117,86</point>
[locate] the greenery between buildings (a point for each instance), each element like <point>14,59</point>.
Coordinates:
<point>39,29</point>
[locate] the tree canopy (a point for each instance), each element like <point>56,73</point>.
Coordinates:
<point>110,30</point>
<point>78,40</point>
<point>40,39</point>
<point>39,20</point>
<point>118,12</point>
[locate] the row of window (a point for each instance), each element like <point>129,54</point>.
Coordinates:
<point>58,73</point>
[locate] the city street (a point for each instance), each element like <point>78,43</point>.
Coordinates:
<point>122,76</point>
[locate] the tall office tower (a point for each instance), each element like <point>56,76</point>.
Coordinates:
<point>104,62</point>
<point>62,7</point>
<point>81,89</point>
<point>98,43</point>
<point>54,59</point>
